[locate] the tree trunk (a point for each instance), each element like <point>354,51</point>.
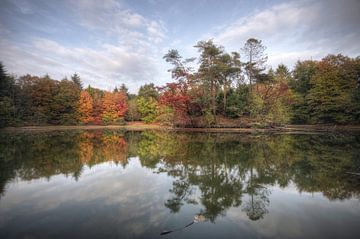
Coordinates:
<point>225,92</point>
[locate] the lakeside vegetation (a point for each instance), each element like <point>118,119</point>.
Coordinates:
<point>235,87</point>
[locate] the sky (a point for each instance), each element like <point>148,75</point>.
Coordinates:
<point>110,42</point>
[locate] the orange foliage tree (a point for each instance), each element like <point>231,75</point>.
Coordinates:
<point>85,109</point>
<point>114,106</point>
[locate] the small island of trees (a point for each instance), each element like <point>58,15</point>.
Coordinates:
<point>234,89</point>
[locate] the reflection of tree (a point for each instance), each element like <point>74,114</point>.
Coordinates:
<point>32,156</point>
<point>182,191</point>
<point>227,168</point>
<point>217,181</point>
<point>323,163</point>
<point>114,148</point>
<point>103,146</point>
<point>86,148</point>
<point>256,206</point>
<point>148,150</point>
<point>219,190</point>
<point>220,185</point>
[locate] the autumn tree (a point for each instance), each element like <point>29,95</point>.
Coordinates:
<point>179,96</point>
<point>42,93</point>
<point>175,96</point>
<point>332,88</point>
<point>114,107</point>
<point>275,96</point>
<point>97,96</point>
<point>85,109</point>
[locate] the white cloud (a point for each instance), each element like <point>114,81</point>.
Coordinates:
<point>299,30</point>
<point>105,67</point>
<point>117,21</point>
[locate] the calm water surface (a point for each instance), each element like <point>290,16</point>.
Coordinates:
<point>115,184</point>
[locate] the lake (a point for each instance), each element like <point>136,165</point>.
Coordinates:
<point>117,184</point>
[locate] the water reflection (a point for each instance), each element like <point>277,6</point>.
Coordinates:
<point>212,172</point>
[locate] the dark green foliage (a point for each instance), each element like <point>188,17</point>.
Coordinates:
<point>8,92</point>
<point>6,111</point>
<point>303,72</point>
<point>300,84</point>
<point>237,102</point>
<point>209,70</point>
<point>76,79</point>
<point>124,89</point>
<point>148,90</point>
<point>356,94</point>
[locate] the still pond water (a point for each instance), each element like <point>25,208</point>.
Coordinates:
<point>116,184</point>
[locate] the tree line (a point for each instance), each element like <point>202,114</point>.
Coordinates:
<point>216,85</point>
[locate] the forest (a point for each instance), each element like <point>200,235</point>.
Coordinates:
<point>237,88</point>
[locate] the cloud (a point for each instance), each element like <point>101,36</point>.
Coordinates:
<point>299,30</point>
<point>105,67</point>
<point>114,19</point>
<point>116,46</point>
<point>106,15</point>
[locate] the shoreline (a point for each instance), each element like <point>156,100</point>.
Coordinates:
<point>142,126</point>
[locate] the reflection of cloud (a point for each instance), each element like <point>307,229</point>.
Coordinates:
<point>295,215</point>
<point>135,195</point>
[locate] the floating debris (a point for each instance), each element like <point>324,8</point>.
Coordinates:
<point>197,218</point>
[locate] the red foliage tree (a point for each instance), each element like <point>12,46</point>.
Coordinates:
<point>175,96</point>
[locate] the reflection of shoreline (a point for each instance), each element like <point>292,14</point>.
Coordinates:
<point>130,127</point>
<point>139,126</point>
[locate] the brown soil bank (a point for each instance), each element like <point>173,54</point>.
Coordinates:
<point>138,126</point>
